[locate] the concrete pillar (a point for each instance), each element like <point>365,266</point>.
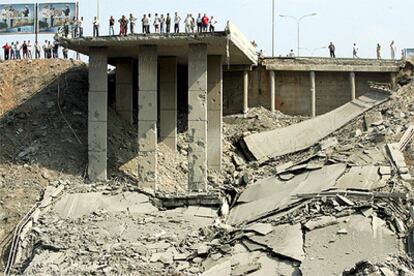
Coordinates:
<point>197,117</point>
<point>272,91</point>
<point>313,93</point>
<point>147,117</point>
<point>124,89</point>
<point>168,101</point>
<point>214,111</point>
<point>393,81</point>
<point>97,114</point>
<point>245,92</point>
<point>352,82</point>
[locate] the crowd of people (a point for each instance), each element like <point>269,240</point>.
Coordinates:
<point>331,47</point>
<point>160,23</point>
<point>27,50</point>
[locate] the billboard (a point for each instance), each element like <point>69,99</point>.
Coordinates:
<point>17,18</point>
<point>409,52</point>
<point>52,16</point>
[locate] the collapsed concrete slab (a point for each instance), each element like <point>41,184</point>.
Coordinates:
<point>294,138</point>
<point>330,250</point>
<point>271,195</point>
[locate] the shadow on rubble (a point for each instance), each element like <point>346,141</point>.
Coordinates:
<point>50,129</point>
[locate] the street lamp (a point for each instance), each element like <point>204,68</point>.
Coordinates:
<point>298,20</point>
<point>273,28</point>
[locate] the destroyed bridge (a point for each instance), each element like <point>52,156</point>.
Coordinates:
<point>213,74</point>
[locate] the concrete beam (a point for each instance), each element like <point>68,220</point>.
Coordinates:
<point>214,111</point>
<point>168,101</point>
<point>97,114</point>
<point>197,117</point>
<point>147,116</point>
<point>353,86</point>
<point>124,89</point>
<point>272,91</point>
<point>313,93</point>
<point>245,92</point>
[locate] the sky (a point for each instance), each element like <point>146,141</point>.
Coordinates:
<point>344,22</point>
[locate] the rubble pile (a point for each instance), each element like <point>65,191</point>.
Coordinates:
<point>342,205</point>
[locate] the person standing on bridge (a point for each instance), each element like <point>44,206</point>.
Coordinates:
<point>355,51</point>
<point>205,21</point>
<point>213,23</point>
<point>111,26</point>
<point>168,23</point>
<point>132,21</point>
<point>378,51</point>
<point>177,20</point>
<point>37,49</point>
<point>199,23</point>
<point>393,50</point>
<point>6,49</point>
<point>331,48</point>
<point>95,24</point>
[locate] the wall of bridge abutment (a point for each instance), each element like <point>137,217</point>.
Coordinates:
<point>305,93</point>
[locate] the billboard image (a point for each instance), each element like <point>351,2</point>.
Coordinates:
<point>17,18</point>
<point>52,16</point>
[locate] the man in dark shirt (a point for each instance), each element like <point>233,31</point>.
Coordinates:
<point>24,48</point>
<point>332,50</point>
<point>168,23</point>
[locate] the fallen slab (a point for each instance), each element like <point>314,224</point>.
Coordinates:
<point>285,240</point>
<point>77,205</point>
<point>275,143</point>
<point>332,249</point>
<point>363,178</point>
<point>271,195</point>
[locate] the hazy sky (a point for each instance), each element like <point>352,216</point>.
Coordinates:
<point>365,22</point>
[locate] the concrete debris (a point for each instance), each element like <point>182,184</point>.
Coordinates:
<point>328,143</point>
<point>271,194</point>
<point>260,228</point>
<point>279,142</point>
<point>398,160</point>
<point>328,253</point>
<point>406,138</point>
<point>285,240</point>
<point>364,178</point>
<point>321,222</point>
<point>373,119</point>
<point>78,205</point>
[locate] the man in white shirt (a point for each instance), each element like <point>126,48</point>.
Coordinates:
<point>29,50</point>
<point>213,23</point>
<point>157,23</point>
<point>132,21</point>
<point>188,22</point>
<point>177,20</point>
<point>95,23</point>
<point>80,25</point>
<point>355,51</point>
<point>393,50</point>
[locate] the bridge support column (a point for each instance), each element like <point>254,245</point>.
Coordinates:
<point>197,117</point>
<point>313,93</point>
<point>272,91</point>
<point>97,114</point>
<point>245,92</point>
<point>393,81</point>
<point>147,117</point>
<point>168,101</point>
<point>124,89</point>
<point>214,111</point>
<point>353,87</point>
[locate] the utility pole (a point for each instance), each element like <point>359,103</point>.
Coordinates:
<point>97,9</point>
<point>298,20</point>
<point>273,28</point>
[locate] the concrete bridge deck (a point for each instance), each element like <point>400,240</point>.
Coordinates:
<point>318,64</point>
